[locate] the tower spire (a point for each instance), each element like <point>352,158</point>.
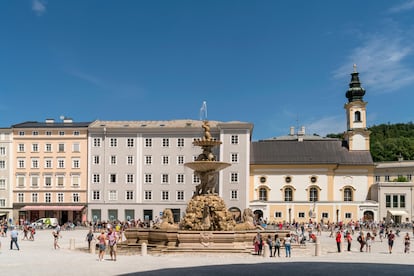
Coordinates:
<point>355,91</point>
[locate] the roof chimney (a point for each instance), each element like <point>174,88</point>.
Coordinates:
<point>292,131</point>
<point>301,132</point>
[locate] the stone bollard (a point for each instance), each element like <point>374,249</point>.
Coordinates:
<point>317,247</point>
<point>93,247</point>
<point>72,244</point>
<point>266,251</point>
<point>144,249</point>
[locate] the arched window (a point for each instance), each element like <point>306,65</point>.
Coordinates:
<point>288,194</point>
<point>357,116</point>
<point>348,194</point>
<point>263,194</point>
<point>313,194</point>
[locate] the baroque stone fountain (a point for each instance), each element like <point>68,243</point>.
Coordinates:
<point>208,226</point>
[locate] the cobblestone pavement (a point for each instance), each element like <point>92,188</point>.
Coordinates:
<point>39,258</point>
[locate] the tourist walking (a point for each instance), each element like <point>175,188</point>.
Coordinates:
<point>55,240</point>
<point>361,240</point>
<point>391,238</point>
<point>369,239</point>
<point>89,238</point>
<point>287,242</point>
<point>102,245</point>
<point>407,243</point>
<point>349,240</point>
<point>13,236</point>
<point>277,246</point>
<point>338,240</point>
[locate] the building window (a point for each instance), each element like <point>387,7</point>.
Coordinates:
<point>75,163</point>
<point>61,133</point>
<point>96,159</point>
<point>96,178</point>
<point>113,160</point>
<point>130,160</point>
<point>112,178</point>
<point>148,195</point>
<point>313,194</point>
<point>20,181</point>
<point>48,148</point>
<point>75,197</point>
<point>180,178</point>
<point>113,195</point>
<point>165,142</point>
<point>180,195</point>
<point>21,148</point>
<point>394,201</point>
<point>288,194</point>
<point>234,194</point>
<point>2,184</point>
<point>263,194</point>
<point>21,133</point>
<point>35,181</point>
<point>35,147</point>
<point>61,147</point>
<point>196,179</point>
<point>48,133</point>
<point>348,194</point>
<point>2,202</point>
<point>96,142</point>
<point>357,116</point>
<point>165,195</point>
<point>278,214</point>
<point>348,215</point>
<point>148,159</point>
<point>234,157</point>
<point>60,181</point>
<point>387,178</point>
<point>96,195</point>
<point>148,142</point>
<point>20,197</point>
<point>235,139</point>
<point>35,133</point>
<point>48,181</point>
<point>234,177</point>
<point>76,133</point>
<point>48,163</point>
<point>20,163</point>
<point>148,178</point>
<point>60,197</point>
<point>129,195</point>
<point>130,178</point>
<point>75,181</point>
<point>180,142</point>
<point>2,151</point>
<point>61,163</point>
<point>325,215</point>
<point>409,177</point>
<point>377,178</point>
<point>301,214</point>
<point>75,147</point>
<point>35,197</point>
<point>164,178</point>
<point>48,197</point>
<point>402,201</point>
<point>180,159</point>
<point>35,163</point>
<point>165,160</point>
<point>314,179</point>
<point>2,164</point>
<point>130,142</point>
<point>113,142</point>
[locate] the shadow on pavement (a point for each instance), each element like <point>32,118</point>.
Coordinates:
<point>291,269</point>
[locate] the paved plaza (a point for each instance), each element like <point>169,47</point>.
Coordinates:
<point>39,258</point>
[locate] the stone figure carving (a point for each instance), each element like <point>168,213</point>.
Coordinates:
<point>208,181</point>
<point>167,221</point>
<point>248,221</point>
<point>207,134</point>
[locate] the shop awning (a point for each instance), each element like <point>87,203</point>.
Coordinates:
<point>51,208</point>
<point>397,213</point>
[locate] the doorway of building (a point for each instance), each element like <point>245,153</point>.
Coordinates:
<point>368,216</point>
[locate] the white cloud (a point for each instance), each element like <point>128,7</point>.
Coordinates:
<point>39,7</point>
<point>382,62</point>
<point>408,5</point>
<point>327,125</point>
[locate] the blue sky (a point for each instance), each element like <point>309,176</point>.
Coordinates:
<point>275,64</point>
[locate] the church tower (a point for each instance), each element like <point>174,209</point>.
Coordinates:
<point>357,134</point>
